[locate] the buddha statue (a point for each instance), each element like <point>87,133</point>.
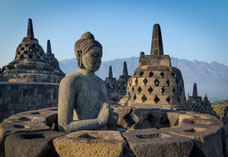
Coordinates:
<point>83,100</point>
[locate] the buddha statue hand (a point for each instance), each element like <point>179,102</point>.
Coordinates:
<point>104,113</point>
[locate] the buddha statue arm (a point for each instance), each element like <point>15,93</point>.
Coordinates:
<point>113,117</point>
<point>91,124</point>
<point>67,97</point>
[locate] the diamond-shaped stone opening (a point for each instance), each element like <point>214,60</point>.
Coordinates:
<point>168,100</point>
<point>178,99</point>
<point>151,74</point>
<point>156,82</point>
<point>162,90</point>
<point>145,81</point>
<point>143,98</point>
<point>130,84</point>
<point>136,81</point>
<point>173,75</point>
<point>168,83</point>
<point>132,89</point>
<point>150,90</point>
<point>139,89</point>
<point>141,73</point>
<point>156,99</point>
<point>162,74</point>
<point>174,90</point>
<point>134,74</point>
<point>134,97</point>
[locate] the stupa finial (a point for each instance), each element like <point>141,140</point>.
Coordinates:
<point>156,44</point>
<point>194,93</point>
<point>49,47</point>
<point>110,72</point>
<point>30,33</point>
<point>125,71</point>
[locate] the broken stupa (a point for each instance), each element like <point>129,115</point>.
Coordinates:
<point>30,63</point>
<point>155,83</point>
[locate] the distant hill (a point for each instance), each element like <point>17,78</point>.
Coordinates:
<point>212,78</point>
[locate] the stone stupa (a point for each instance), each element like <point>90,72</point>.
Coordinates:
<point>199,104</point>
<point>50,58</point>
<point>121,83</point>
<point>155,83</point>
<point>30,63</point>
<point>110,81</point>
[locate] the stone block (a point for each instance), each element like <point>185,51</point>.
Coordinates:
<point>207,139</point>
<point>11,107</point>
<point>90,143</point>
<point>24,122</point>
<point>125,120</point>
<point>154,143</point>
<point>31,144</point>
<point>6,100</point>
<point>173,118</point>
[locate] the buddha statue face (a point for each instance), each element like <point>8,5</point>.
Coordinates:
<point>92,59</point>
<point>88,52</point>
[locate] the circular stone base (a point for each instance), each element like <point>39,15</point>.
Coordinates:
<point>139,132</point>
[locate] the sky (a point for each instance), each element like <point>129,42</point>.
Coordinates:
<point>191,29</point>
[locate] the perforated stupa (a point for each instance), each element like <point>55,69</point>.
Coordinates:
<point>155,83</point>
<point>30,64</point>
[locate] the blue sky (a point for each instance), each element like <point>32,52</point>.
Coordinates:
<point>191,29</point>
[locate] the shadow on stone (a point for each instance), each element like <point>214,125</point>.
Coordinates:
<point>87,136</point>
<point>32,136</point>
<point>24,119</point>
<point>196,152</point>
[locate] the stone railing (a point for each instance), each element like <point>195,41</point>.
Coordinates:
<point>23,96</point>
<point>166,133</point>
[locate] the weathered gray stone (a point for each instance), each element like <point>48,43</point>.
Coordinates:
<point>155,84</point>
<point>204,130</point>
<point>207,138</point>
<point>125,119</point>
<point>110,84</point>
<point>121,83</point>
<point>30,121</point>
<point>198,105</point>
<point>31,144</point>
<point>83,100</point>
<point>90,143</point>
<point>155,143</point>
<point>50,58</point>
<point>173,118</point>
<point>224,118</point>
<point>29,64</point>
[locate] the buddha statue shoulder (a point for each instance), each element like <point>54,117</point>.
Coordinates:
<point>83,101</point>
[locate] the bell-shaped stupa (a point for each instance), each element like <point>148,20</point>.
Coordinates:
<point>155,83</point>
<point>50,58</point>
<point>30,63</point>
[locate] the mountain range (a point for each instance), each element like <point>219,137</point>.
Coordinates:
<point>211,78</point>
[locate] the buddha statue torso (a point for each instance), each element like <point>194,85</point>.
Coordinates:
<point>90,95</point>
<point>83,100</point>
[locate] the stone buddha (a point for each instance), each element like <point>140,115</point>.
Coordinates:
<point>83,100</point>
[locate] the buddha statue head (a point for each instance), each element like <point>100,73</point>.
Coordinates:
<point>88,52</point>
<point>83,100</point>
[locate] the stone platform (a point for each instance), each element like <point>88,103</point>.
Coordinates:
<point>139,132</point>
